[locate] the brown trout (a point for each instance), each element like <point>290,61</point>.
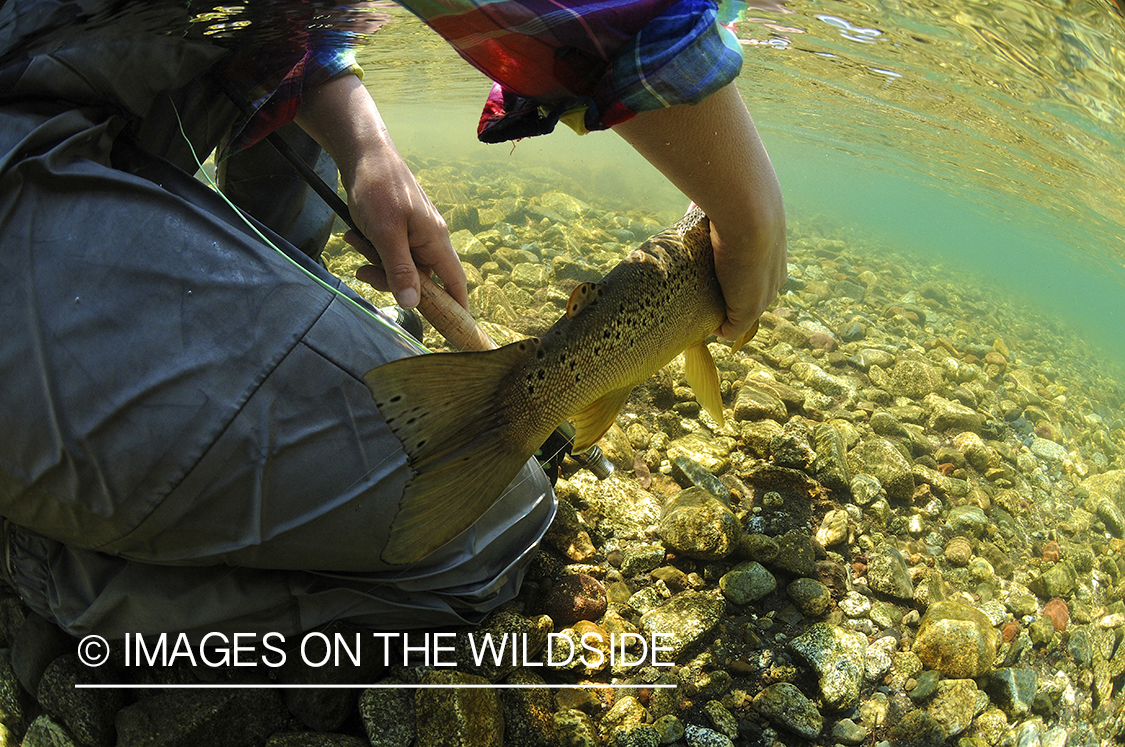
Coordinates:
<point>470,421</point>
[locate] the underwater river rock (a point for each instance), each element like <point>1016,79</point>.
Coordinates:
<point>935,459</point>
<point>909,528</point>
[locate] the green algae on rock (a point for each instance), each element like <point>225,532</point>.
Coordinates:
<point>388,715</point>
<point>811,596</point>
<point>786,706</point>
<point>880,458</point>
<point>955,704</point>
<point>887,573</point>
<point>838,657</point>
<point>458,717</point>
<point>747,582</point>
<point>957,640</point>
<point>687,617</point>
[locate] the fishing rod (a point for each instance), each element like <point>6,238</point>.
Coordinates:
<point>447,316</point>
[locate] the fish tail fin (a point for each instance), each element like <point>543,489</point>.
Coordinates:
<point>440,503</point>
<point>699,368</point>
<point>444,409</point>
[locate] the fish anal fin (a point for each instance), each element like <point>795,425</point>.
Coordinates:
<point>701,374</point>
<point>747,337</point>
<point>595,419</point>
<point>581,297</point>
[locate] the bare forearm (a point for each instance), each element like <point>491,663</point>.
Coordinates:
<point>387,203</point>
<point>712,153</point>
<point>342,117</point>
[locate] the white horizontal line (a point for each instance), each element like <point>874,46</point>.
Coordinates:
<point>287,686</point>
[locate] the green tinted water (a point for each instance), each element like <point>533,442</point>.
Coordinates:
<point>981,136</point>
<point>981,133</point>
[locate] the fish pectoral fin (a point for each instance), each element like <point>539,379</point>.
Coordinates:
<point>704,379</point>
<point>747,337</point>
<point>595,419</point>
<point>443,408</point>
<point>581,297</point>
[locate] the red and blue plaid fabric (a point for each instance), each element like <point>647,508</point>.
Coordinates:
<point>591,63</point>
<point>596,64</point>
<point>275,96</point>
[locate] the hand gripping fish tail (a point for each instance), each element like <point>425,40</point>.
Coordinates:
<point>469,421</point>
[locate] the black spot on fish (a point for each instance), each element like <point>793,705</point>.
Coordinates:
<point>539,354</point>
<point>421,444</point>
<point>531,390</point>
<point>396,398</point>
<point>542,374</point>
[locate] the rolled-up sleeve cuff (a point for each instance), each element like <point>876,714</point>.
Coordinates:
<point>275,108</point>
<point>326,64</point>
<point>681,56</point>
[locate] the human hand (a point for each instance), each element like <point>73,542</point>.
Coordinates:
<point>407,235</point>
<point>750,271</point>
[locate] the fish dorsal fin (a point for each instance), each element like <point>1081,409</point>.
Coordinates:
<point>594,420</point>
<point>704,379</point>
<point>580,298</point>
<point>652,253</point>
<point>745,338</point>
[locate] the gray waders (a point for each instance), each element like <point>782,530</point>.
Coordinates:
<point>186,443</point>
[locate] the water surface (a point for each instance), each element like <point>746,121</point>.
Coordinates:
<point>980,136</point>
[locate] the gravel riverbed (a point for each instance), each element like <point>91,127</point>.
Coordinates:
<point>909,530</point>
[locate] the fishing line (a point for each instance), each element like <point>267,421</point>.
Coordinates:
<point>398,331</point>
<point>336,291</point>
<point>355,304</point>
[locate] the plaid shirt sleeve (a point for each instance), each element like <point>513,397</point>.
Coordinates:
<point>590,63</point>
<point>274,90</point>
